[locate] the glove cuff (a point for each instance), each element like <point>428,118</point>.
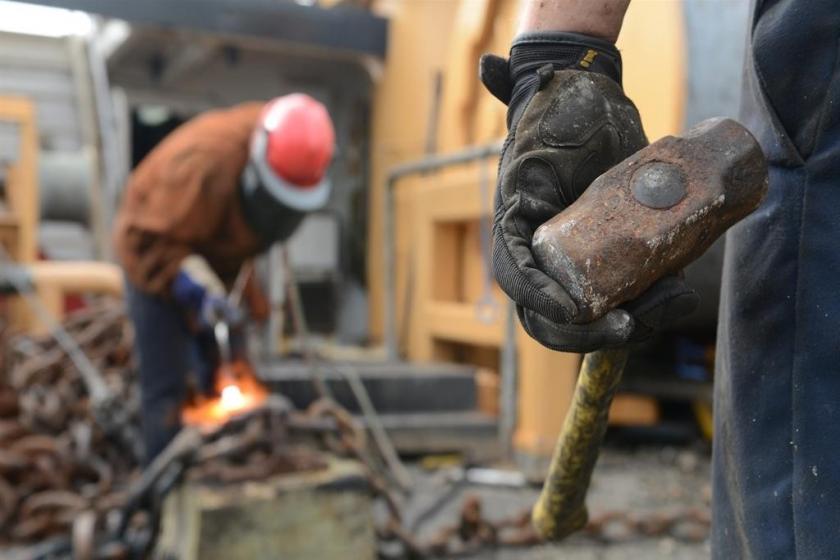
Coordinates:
<point>564,51</point>
<point>188,293</point>
<point>531,52</point>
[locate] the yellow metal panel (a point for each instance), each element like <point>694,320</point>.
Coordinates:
<point>438,244</point>
<point>546,384</point>
<point>418,42</point>
<point>634,410</point>
<point>473,27</point>
<point>652,44</point>
<point>459,322</point>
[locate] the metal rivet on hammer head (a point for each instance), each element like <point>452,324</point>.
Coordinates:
<point>658,185</point>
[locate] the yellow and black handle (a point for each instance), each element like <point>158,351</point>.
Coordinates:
<point>561,508</point>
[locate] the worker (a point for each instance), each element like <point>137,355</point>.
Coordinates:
<point>226,185</point>
<point>775,473</point>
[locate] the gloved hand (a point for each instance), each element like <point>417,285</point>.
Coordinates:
<point>207,308</point>
<point>568,122</point>
<point>216,309</point>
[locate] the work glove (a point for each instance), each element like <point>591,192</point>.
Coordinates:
<point>569,121</point>
<point>204,306</point>
<point>206,310</point>
<point>216,309</point>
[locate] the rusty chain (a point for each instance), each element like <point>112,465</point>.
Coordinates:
<point>65,484</point>
<point>55,462</point>
<point>473,532</point>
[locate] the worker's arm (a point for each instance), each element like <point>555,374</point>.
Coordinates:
<point>595,18</point>
<point>256,299</point>
<point>569,122</point>
<point>171,205</point>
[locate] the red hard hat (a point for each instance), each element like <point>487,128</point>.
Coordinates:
<point>293,147</point>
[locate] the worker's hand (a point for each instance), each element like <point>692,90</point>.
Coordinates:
<point>215,309</point>
<point>569,122</point>
<point>207,308</point>
<point>187,293</point>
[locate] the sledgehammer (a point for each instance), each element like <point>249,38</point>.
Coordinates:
<point>645,218</point>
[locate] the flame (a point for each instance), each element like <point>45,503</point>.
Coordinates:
<point>238,391</point>
<point>232,398</point>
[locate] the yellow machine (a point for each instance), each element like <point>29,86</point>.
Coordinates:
<point>428,102</point>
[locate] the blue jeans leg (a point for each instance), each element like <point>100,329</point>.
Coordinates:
<point>163,345</point>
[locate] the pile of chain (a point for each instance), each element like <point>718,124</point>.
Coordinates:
<point>473,532</point>
<point>72,490</point>
<point>79,492</point>
<point>54,460</point>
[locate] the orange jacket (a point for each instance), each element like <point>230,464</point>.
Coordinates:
<point>183,199</point>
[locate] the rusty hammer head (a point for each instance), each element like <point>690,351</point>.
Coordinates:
<point>651,215</point>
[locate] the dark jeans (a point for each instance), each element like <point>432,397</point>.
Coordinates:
<point>164,348</point>
<point>776,464</point>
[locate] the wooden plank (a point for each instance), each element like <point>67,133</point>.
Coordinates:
<point>9,233</point>
<point>22,176</point>
<point>22,195</point>
<point>54,280</point>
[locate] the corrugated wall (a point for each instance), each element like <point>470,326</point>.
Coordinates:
<point>41,68</point>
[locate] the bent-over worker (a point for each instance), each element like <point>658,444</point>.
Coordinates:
<point>225,186</point>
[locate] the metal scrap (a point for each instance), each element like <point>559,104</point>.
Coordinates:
<point>69,487</point>
<point>55,462</point>
<point>63,477</point>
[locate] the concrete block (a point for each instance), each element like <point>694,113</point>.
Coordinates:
<point>325,514</point>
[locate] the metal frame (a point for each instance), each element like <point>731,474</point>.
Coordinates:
<point>344,28</point>
<point>389,258</point>
<point>508,369</point>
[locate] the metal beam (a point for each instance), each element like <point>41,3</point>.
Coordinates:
<point>389,248</point>
<point>344,28</point>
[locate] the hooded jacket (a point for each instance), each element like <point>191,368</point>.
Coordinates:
<point>183,199</point>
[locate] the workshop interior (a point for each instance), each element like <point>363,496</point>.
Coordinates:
<point>357,385</point>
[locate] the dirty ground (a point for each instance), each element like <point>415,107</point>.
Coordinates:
<point>638,481</point>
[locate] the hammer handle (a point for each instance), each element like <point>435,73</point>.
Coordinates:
<point>561,508</point>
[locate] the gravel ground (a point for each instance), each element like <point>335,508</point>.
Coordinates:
<point>645,480</point>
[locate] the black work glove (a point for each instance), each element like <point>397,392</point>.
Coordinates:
<point>569,121</point>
